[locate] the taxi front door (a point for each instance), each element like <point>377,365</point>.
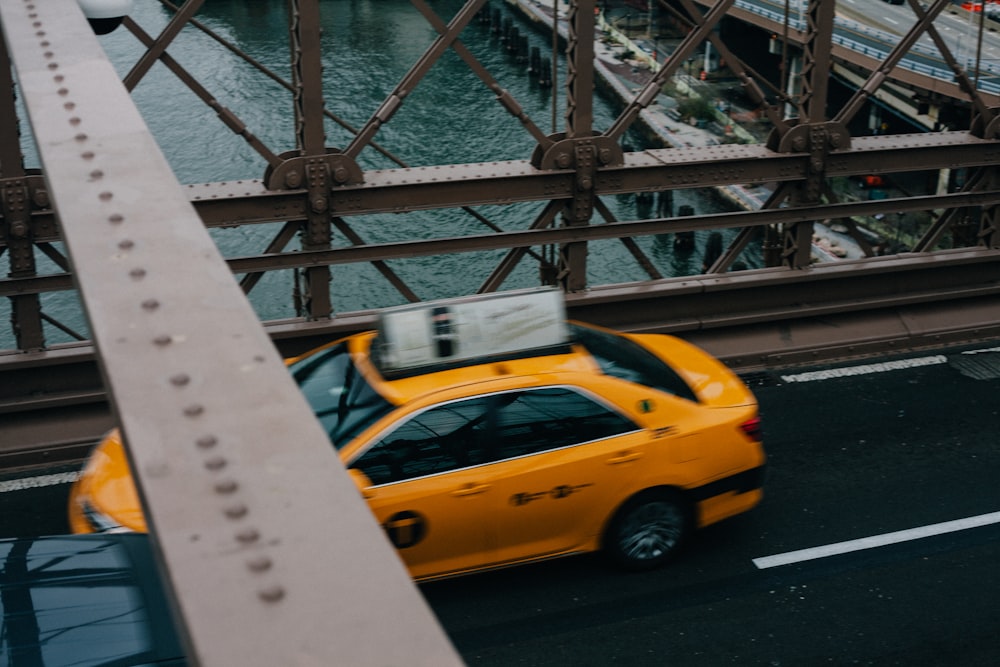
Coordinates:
<point>438,524</point>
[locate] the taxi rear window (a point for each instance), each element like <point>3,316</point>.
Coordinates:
<point>338,394</point>
<point>625,359</point>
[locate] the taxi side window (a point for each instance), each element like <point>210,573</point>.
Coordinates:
<point>534,421</point>
<point>437,440</point>
<point>486,429</point>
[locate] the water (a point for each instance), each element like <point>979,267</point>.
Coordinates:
<point>449,118</point>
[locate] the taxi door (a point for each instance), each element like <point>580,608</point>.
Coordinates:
<point>565,460</point>
<point>426,491</point>
<point>437,524</point>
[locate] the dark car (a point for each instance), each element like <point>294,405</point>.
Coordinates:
<point>84,600</point>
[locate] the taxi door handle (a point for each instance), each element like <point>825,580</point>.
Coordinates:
<point>625,457</point>
<point>470,490</point>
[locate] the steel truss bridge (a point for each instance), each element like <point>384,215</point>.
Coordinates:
<point>197,383</point>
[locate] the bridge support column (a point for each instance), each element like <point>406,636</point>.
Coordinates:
<point>579,129</point>
<point>16,202</point>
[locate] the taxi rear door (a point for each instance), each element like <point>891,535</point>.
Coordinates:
<point>563,460</point>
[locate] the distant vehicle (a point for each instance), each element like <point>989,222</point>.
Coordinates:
<point>488,431</point>
<point>894,2</point>
<point>84,600</point>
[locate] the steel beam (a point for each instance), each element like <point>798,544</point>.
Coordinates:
<point>250,536</point>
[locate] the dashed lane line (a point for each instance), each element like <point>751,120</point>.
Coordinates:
<point>865,369</point>
<point>39,481</point>
<point>838,548</point>
<point>879,367</point>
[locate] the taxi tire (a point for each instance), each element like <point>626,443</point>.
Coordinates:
<point>648,530</point>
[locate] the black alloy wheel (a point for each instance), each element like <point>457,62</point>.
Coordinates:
<point>648,530</point>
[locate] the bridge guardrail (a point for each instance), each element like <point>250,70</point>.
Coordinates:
<point>941,74</point>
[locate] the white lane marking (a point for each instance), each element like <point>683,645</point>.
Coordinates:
<point>876,541</point>
<point>39,481</point>
<point>985,350</point>
<point>866,369</point>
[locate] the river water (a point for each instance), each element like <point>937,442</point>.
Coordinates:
<point>450,118</point>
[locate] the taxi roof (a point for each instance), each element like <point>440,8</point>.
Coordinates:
<point>403,388</point>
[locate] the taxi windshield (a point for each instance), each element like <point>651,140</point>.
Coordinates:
<point>622,358</point>
<point>338,394</point>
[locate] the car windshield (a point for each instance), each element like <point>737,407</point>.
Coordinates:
<point>339,395</point>
<point>622,358</point>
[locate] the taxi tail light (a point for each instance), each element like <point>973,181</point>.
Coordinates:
<point>752,429</point>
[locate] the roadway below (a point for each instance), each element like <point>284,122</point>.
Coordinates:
<point>856,451</point>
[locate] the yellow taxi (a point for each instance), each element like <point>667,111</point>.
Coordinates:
<point>486,432</point>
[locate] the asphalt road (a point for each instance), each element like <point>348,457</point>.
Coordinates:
<point>899,447</point>
<point>850,457</point>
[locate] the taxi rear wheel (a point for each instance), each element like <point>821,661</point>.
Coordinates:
<point>648,530</point>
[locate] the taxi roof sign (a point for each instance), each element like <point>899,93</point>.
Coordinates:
<point>470,329</point>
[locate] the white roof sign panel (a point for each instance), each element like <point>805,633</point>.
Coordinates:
<point>456,330</point>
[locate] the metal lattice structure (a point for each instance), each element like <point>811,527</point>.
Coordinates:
<point>181,433</point>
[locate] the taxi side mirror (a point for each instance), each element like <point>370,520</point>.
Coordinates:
<point>362,481</point>
<point>105,15</point>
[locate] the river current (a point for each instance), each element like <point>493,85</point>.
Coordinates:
<point>450,118</point>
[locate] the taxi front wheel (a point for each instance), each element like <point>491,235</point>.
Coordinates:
<point>648,530</point>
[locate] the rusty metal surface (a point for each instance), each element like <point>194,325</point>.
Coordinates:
<point>279,536</point>
<point>314,189</point>
<point>322,204</point>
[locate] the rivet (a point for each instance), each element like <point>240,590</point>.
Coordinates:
<point>81,137</point>
<point>180,379</point>
<point>96,174</point>
<point>53,65</point>
<point>63,92</point>
<point>215,463</point>
<point>150,304</point>
<point>162,340</point>
<point>137,273</point>
<point>116,218</point>
<point>194,410</point>
<point>105,196</point>
<point>259,564</point>
<point>207,441</point>
<point>226,486</point>
<point>248,535</point>
<point>87,155</point>
<point>271,593</point>
<point>236,511</point>
<point>126,244</point>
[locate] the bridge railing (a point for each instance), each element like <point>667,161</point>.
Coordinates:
<point>941,73</point>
